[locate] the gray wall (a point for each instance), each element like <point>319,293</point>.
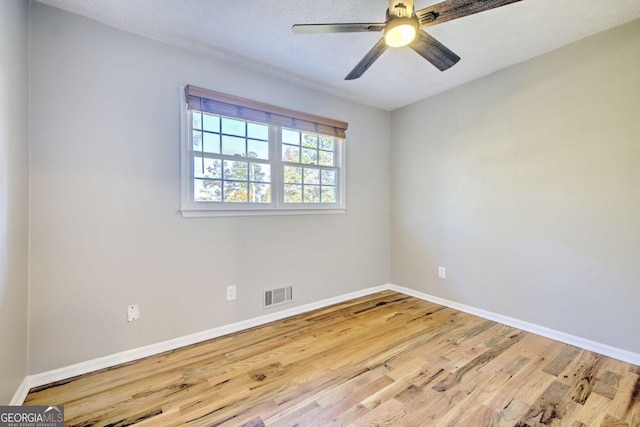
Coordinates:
<point>14,194</point>
<point>105,231</point>
<point>525,185</point>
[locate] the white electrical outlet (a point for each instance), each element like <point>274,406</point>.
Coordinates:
<point>133,312</point>
<point>442,272</point>
<point>231,293</point>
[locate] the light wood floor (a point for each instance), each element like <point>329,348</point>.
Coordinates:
<point>382,360</point>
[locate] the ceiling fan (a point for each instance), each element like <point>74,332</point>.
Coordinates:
<point>403,28</point>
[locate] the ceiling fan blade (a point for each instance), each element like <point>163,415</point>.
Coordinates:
<point>368,59</point>
<point>337,28</point>
<point>434,51</point>
<point>454,9</point>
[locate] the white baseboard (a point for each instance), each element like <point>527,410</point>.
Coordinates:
<point>596,347</point>
<point>150,350</point>
<point>21,393</point>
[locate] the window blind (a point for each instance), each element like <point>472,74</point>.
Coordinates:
<point>222,104</point>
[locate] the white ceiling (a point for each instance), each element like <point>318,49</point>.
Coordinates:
<point>257,34</point>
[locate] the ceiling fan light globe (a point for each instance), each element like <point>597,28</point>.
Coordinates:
<point>400,35</point>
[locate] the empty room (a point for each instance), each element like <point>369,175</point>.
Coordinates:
<point>315,213</point>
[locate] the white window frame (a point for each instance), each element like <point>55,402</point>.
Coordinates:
<point>192,209</point>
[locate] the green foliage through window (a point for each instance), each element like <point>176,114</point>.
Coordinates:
<point>310,173</point>
<point>231,160</point>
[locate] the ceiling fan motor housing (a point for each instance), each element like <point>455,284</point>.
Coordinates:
<point>401,9</point>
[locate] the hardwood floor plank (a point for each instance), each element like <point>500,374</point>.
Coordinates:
<point>385,359</point>
<point>561,361</point>
<point>460,414</point>
<point>592,413</point>
<point>529,383</point>
<point>457,377</point>
<point>511,414</point>
<point>608,385</point>
<point>551,405</point>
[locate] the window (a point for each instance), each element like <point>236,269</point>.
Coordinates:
<point>241,157</point>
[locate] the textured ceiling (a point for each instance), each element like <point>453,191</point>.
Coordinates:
<point>257,34</point>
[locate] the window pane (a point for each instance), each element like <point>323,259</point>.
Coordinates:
<point>211,143</point>
<point>328,177</point>
<point>259,193</point>
<point>238,171</point>
<point>235,192</point>
<point>198,167</point>
<point>310,156</point>
<point>258,149</point>
<point>212,168</point>
<point>234,127</point>
<point>259,172</point>
<point>310,140</point>
<point>211,123</point>
<point>311,176</point>
<point>326,158</point>
<point>233,146</point>
<point>311,194</point>
<point>293,174</point>
<point>328,194</point>
<point>196,117</point>
<point>197,140</point>
<point>257,131</point>
<point>327,143</point>
<point>290,153</point>
<point>205,190</point>
<point>292,193</point>
<point>290,137</point>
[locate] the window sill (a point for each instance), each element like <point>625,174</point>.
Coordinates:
<point>209,213</point>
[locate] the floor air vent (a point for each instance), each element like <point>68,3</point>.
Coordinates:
<point>278,296</point>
